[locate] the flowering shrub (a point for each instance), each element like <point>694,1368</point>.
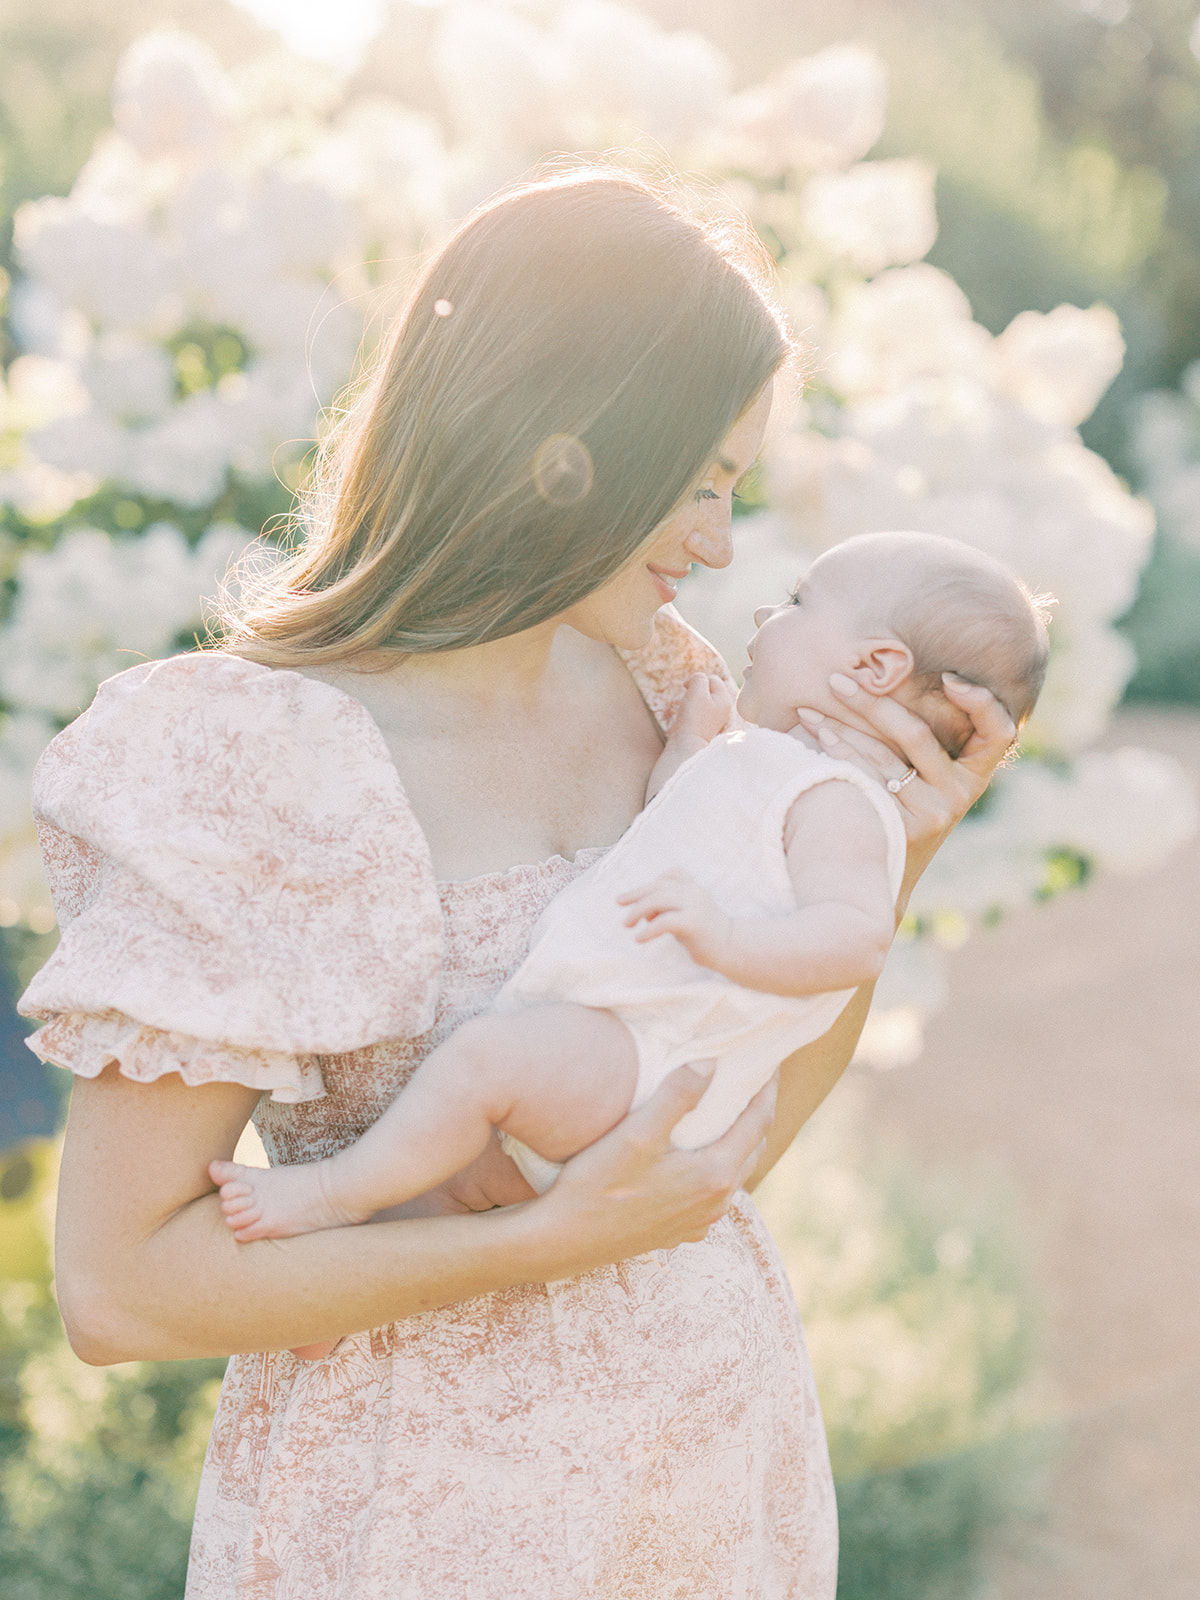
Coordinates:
<point>191,307</point>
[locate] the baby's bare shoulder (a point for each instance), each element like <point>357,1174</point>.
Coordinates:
<point>834,821</point>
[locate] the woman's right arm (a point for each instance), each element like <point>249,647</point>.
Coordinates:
<point>147,1269</point>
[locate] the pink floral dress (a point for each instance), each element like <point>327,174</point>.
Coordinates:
<point>246,896</point>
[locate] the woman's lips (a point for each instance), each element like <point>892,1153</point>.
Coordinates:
<point>666,581</point>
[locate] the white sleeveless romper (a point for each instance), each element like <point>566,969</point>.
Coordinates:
<point>721,818</point>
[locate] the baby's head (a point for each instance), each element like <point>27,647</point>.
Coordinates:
<point>893,611</point>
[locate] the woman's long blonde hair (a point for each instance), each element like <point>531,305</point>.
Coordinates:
<point>565,369</point>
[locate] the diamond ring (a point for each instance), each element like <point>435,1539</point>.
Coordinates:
<point>894,785</point>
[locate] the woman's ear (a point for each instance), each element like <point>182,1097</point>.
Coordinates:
<point>882,665</point>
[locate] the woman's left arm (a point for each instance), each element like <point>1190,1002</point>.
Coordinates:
<point>938,798</point>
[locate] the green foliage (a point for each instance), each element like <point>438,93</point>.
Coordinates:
<point>917,1532</point>
<point>1164,626</point>
<point>117,510</point>
<point>97,1469</point>
<point>1065,869</point>
<point>206,355</point>
<point>920,1325</point>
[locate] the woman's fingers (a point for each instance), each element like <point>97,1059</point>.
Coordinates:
<point>742,1142</point>
<point>958,783</point>
<point>678,1093</point>
<point>994,728</point>
<point>896,725</point>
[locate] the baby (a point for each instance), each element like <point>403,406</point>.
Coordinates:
<point>773,868</point>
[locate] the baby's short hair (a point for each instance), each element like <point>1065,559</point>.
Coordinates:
<point>958,610</point>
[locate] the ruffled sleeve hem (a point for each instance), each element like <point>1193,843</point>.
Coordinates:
<point>86,1042</point>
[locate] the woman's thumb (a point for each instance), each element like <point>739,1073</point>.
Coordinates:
<point>674,1097</point>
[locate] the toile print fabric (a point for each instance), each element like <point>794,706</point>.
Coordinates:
<point>245,896</point>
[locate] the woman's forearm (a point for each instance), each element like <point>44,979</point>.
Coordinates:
<point>191,1290</point>
<point>148,1270</point>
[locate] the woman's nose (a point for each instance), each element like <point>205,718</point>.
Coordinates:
<point>711,544</point>
<point>761,614</point>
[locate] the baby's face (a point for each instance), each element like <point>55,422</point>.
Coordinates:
<point>799,643</point>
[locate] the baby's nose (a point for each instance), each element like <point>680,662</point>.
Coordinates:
<point>761,615</point>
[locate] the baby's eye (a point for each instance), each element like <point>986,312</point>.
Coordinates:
<point>707,494</point>
<point>794,597</point>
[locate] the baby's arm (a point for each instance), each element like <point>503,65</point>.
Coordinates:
<point>703,715</point>
<point>837,939</point>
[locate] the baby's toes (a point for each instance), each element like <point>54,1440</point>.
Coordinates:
<point>241,1211</point>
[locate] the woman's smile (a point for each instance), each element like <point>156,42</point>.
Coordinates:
<point>667,580</point>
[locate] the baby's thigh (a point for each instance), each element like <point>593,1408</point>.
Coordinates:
<point>565,1073</point>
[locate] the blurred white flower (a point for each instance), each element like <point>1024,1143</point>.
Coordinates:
<point>622,73</point>
<point>89,443</point>
<point>23,888</point>
<point>1058,364</point>
<point>309,224</point>
<point>171,94</point>
<point>129,380</point>
<point>23,737</point>
<point>878,214</point>
<point>41,389</point>
<point>501,77</point>
<point>396,164</point>
<point>822,111</point>
<point>1085,680</point>
<point>115,273</point>
<point>1124,810</point>
<point>907,323</point>
<point>43,325</point>
<point>185,457</point>
<point>93,605</point>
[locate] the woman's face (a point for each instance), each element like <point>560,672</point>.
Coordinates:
<point>621,611</point>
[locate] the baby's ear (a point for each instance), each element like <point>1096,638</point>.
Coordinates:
<point>882,665</point>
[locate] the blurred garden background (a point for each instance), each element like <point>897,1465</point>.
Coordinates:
<point>986,215</point>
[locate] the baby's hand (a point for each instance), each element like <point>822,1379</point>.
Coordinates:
<point>707,703</point>
<point>675,903</point>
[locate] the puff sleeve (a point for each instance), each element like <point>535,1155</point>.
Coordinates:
<point>240,882</point>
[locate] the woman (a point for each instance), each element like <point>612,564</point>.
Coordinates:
<point>295,866</point>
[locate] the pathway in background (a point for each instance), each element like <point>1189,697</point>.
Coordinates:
<point>1069,1061</point>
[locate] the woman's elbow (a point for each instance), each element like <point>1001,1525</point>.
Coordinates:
<point>99,1330</point>
<point>873,954</point>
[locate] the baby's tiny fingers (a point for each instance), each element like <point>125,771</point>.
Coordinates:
<point>652,907</point>
<point>660,925</point>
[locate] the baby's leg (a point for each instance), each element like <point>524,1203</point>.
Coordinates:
<point>556,1077</point>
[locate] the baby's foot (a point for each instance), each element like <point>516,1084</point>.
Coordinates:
<point>275,1203</point>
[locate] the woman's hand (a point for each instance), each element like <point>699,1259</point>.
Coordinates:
<point>632,1191</point>
<point>944,788</point>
